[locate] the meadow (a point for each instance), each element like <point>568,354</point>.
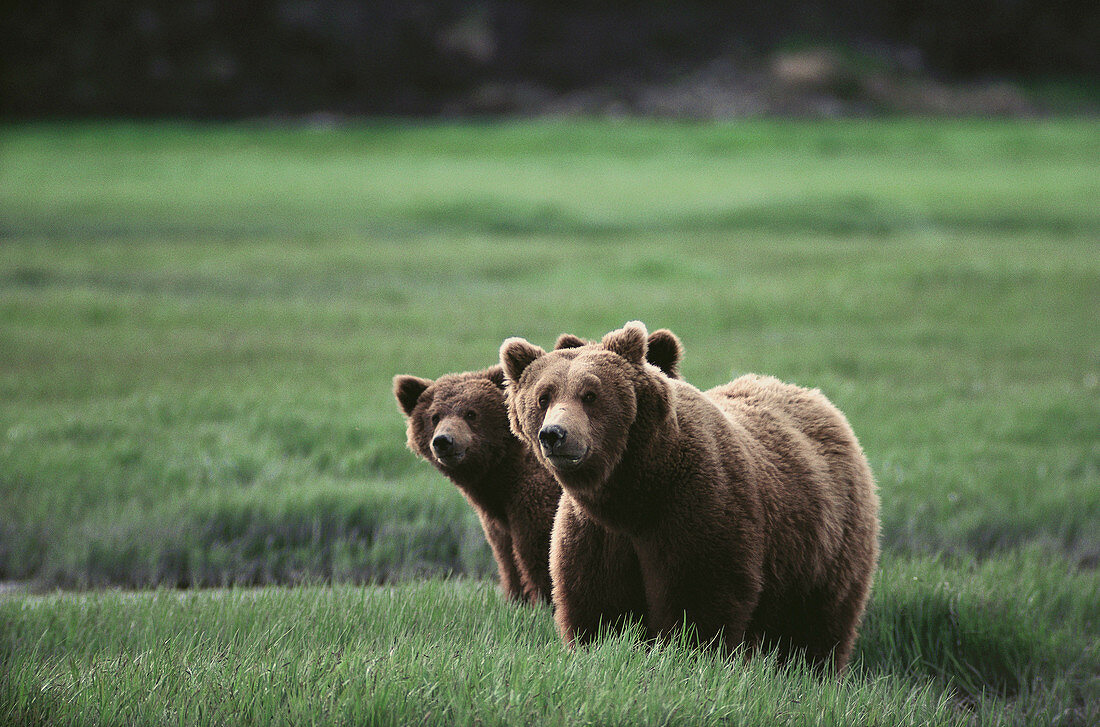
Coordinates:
<point>199,325</point>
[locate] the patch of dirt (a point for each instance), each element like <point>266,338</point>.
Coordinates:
<point>815,83</point>
<point>11,588</point>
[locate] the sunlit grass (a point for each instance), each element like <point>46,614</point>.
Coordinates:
<point>940,642</point>
<point>190,397</point>
<point>198,328</point>
<point>562,177</point>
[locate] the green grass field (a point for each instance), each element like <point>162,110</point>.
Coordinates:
<point>198,328</point>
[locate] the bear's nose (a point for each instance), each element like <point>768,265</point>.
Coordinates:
<point>551,436</point>
<point>443,444</point>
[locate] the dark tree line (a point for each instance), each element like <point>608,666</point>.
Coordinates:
<point>205,58</point>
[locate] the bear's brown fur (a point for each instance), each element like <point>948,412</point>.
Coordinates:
<point>459,423</point>
<point>748,511</point>
<point>515,497</point>
<point>663,350</point>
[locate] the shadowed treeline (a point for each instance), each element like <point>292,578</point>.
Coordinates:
<point>226,60</point>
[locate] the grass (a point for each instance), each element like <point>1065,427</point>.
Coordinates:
<point>563,178</point>
<point>455,652</point>
<point>198,327</point>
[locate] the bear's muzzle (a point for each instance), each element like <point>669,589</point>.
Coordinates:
<point>447,450</point>
<point>561,450</point>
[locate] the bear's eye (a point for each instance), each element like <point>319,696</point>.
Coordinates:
<point>435,419</point>
<point>544,401</point>
<point>470,415</point>
<point>588,397</point>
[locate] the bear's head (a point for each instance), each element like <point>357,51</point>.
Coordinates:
<point>578,407</point>
<point>459,422</point>
<point>663,350</point>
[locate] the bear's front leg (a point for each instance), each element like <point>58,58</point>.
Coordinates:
<point>534,572</point>
<point>713,598</point>
<point>597,584</point>
<point>500,542</point>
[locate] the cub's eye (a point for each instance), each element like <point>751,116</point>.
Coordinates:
<point>589,397</point>
<point>544,401</point>
<point>435,419</point>
<point>470,415</point>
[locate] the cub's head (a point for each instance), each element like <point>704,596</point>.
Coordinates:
<point>458,422</point>
<point>577,407</point>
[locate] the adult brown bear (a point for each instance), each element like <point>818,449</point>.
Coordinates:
<point>748,511</point>
<point>459,423</point>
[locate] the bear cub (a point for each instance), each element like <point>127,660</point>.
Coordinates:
<point>459,423</point>
<point>747,511</point>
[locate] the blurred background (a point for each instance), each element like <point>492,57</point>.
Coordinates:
<point>694,58</point>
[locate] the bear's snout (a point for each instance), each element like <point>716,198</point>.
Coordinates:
<point>551,436</point>
<point>447,449</point>
<point>561,449</point>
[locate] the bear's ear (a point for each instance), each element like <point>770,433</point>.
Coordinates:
<point>568,340</point>
<point>665,351</point>
<point>516,355</point>
<point>408,389</point>
<point>629,342</point>
<point>495,374</point>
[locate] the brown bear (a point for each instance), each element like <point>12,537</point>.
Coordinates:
<point>459,423</point>
<point>663,350</point>
<point>747,512</point>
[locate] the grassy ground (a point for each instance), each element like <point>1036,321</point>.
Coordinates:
<point>942,645</point>
<point>198,327</point>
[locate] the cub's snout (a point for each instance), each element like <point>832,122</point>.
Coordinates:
<point>450,443</point>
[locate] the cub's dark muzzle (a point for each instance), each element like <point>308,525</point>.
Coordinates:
<point>446,450</point>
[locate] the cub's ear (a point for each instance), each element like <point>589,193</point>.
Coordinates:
<point>408,389</point>
<point>495,374</point>
<point>516,355</point>
<point>568,340</point>
<point>665,351</point>
<point>629,342</point>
